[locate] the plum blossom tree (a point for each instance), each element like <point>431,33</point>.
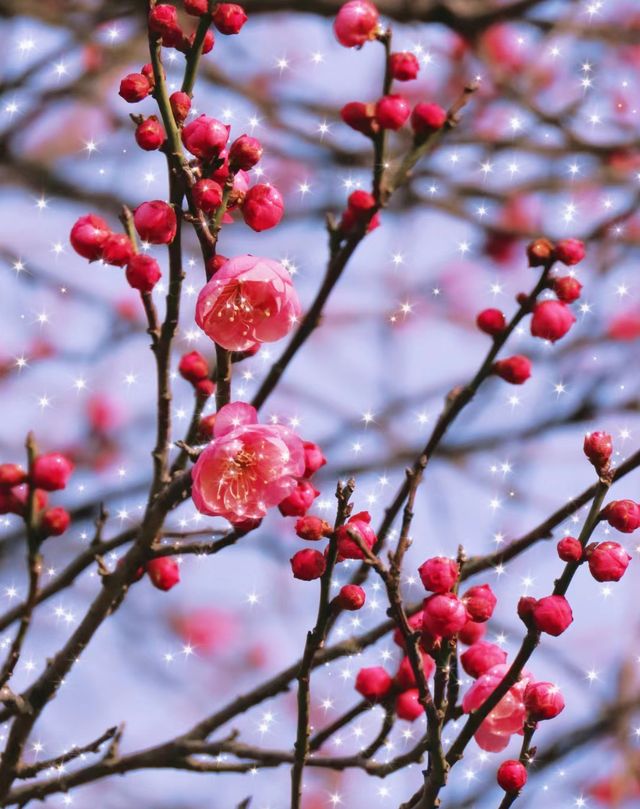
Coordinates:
<point>432,669</point>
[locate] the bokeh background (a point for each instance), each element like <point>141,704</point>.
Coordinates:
<point>549,146</point>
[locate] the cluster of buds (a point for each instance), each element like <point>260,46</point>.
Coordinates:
<point>391,112</point>
<point>92,238</point>
<point>219,171</point>
<point>352,538</point>
<point>220,168</point>
<point>552,318</point>
<point>228,18</point>
<point>361,213</point>
<point>375,684</point>
<point>356,23</point>
<point>607,561</point>
<point>444,614</point>
<point>49,472</point>
<point>194,368</point>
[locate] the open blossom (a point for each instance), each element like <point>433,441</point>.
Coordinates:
<point>506,718</point>
<point>249,300</point>
<point>248,467</point>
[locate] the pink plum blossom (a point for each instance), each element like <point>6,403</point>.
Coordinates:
<point>250,300</point>
<point>506,718</point>
<point>248,467</point>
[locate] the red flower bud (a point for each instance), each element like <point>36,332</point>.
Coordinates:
<point>439,574</point>
<point>360,117</point>
<point>539,252</point>
<point>481,657</point>
<point>55,521</point>
<point>351,597</point>
<point>242,527</point>
<point>134,87</point>
<point>526,605</point>
<point>373,683</point>
<point>312,528</point>
<point>155,221</point>
<point>263,207</point>
<point>408,705</point>
<point>163,20</point>
<point>143,272</point>
<point>543,701</point>
<point>444,615</point>
<point>569,252</point>
<point>350,221</point>
<point>244,153</point>
<point>415,624</point>
<point>608,561</point>
<point>405,677</point>
<point>427,118</point>
<point>193,367</point>
<point>624,515</point>
<point>207,43</point>
<point>308,564</point>
<point>392,111</point>
<point>205,137</point>
<point>205,427</point>
<point>313,458</point>
<point>11,475</point>
<point>598,448</point>
<point>150,134</point>
<point>117,249</point>
<point>88,236</point>
<point>404,66</point>
<point>196,7</point>
<point>51,472</point>
<point>164,572</point>
<point>299,501</point>
<point>551,320</point>
<point>567,288</point>
<point>229,18</point>
<point>358,525</point>
<point>480,602</point>
<point>213,264</point>
<point>147,72</point>
<point>207,195</point>
<point>205,388</point>
<point>361,203</point>
<point>14,501</point>
<point>552,614</point>
<point>471,633</point>
<point>569,549</point>
<point>515,370</point>
<point>180,106</point>
<point>512,775</point>
<point>491,321</point>
<point>356,23</point>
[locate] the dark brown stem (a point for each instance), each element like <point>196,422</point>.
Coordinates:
<point>314,642</point>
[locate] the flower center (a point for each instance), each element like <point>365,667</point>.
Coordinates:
<point>236,307</point>
<point>239,477</point>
